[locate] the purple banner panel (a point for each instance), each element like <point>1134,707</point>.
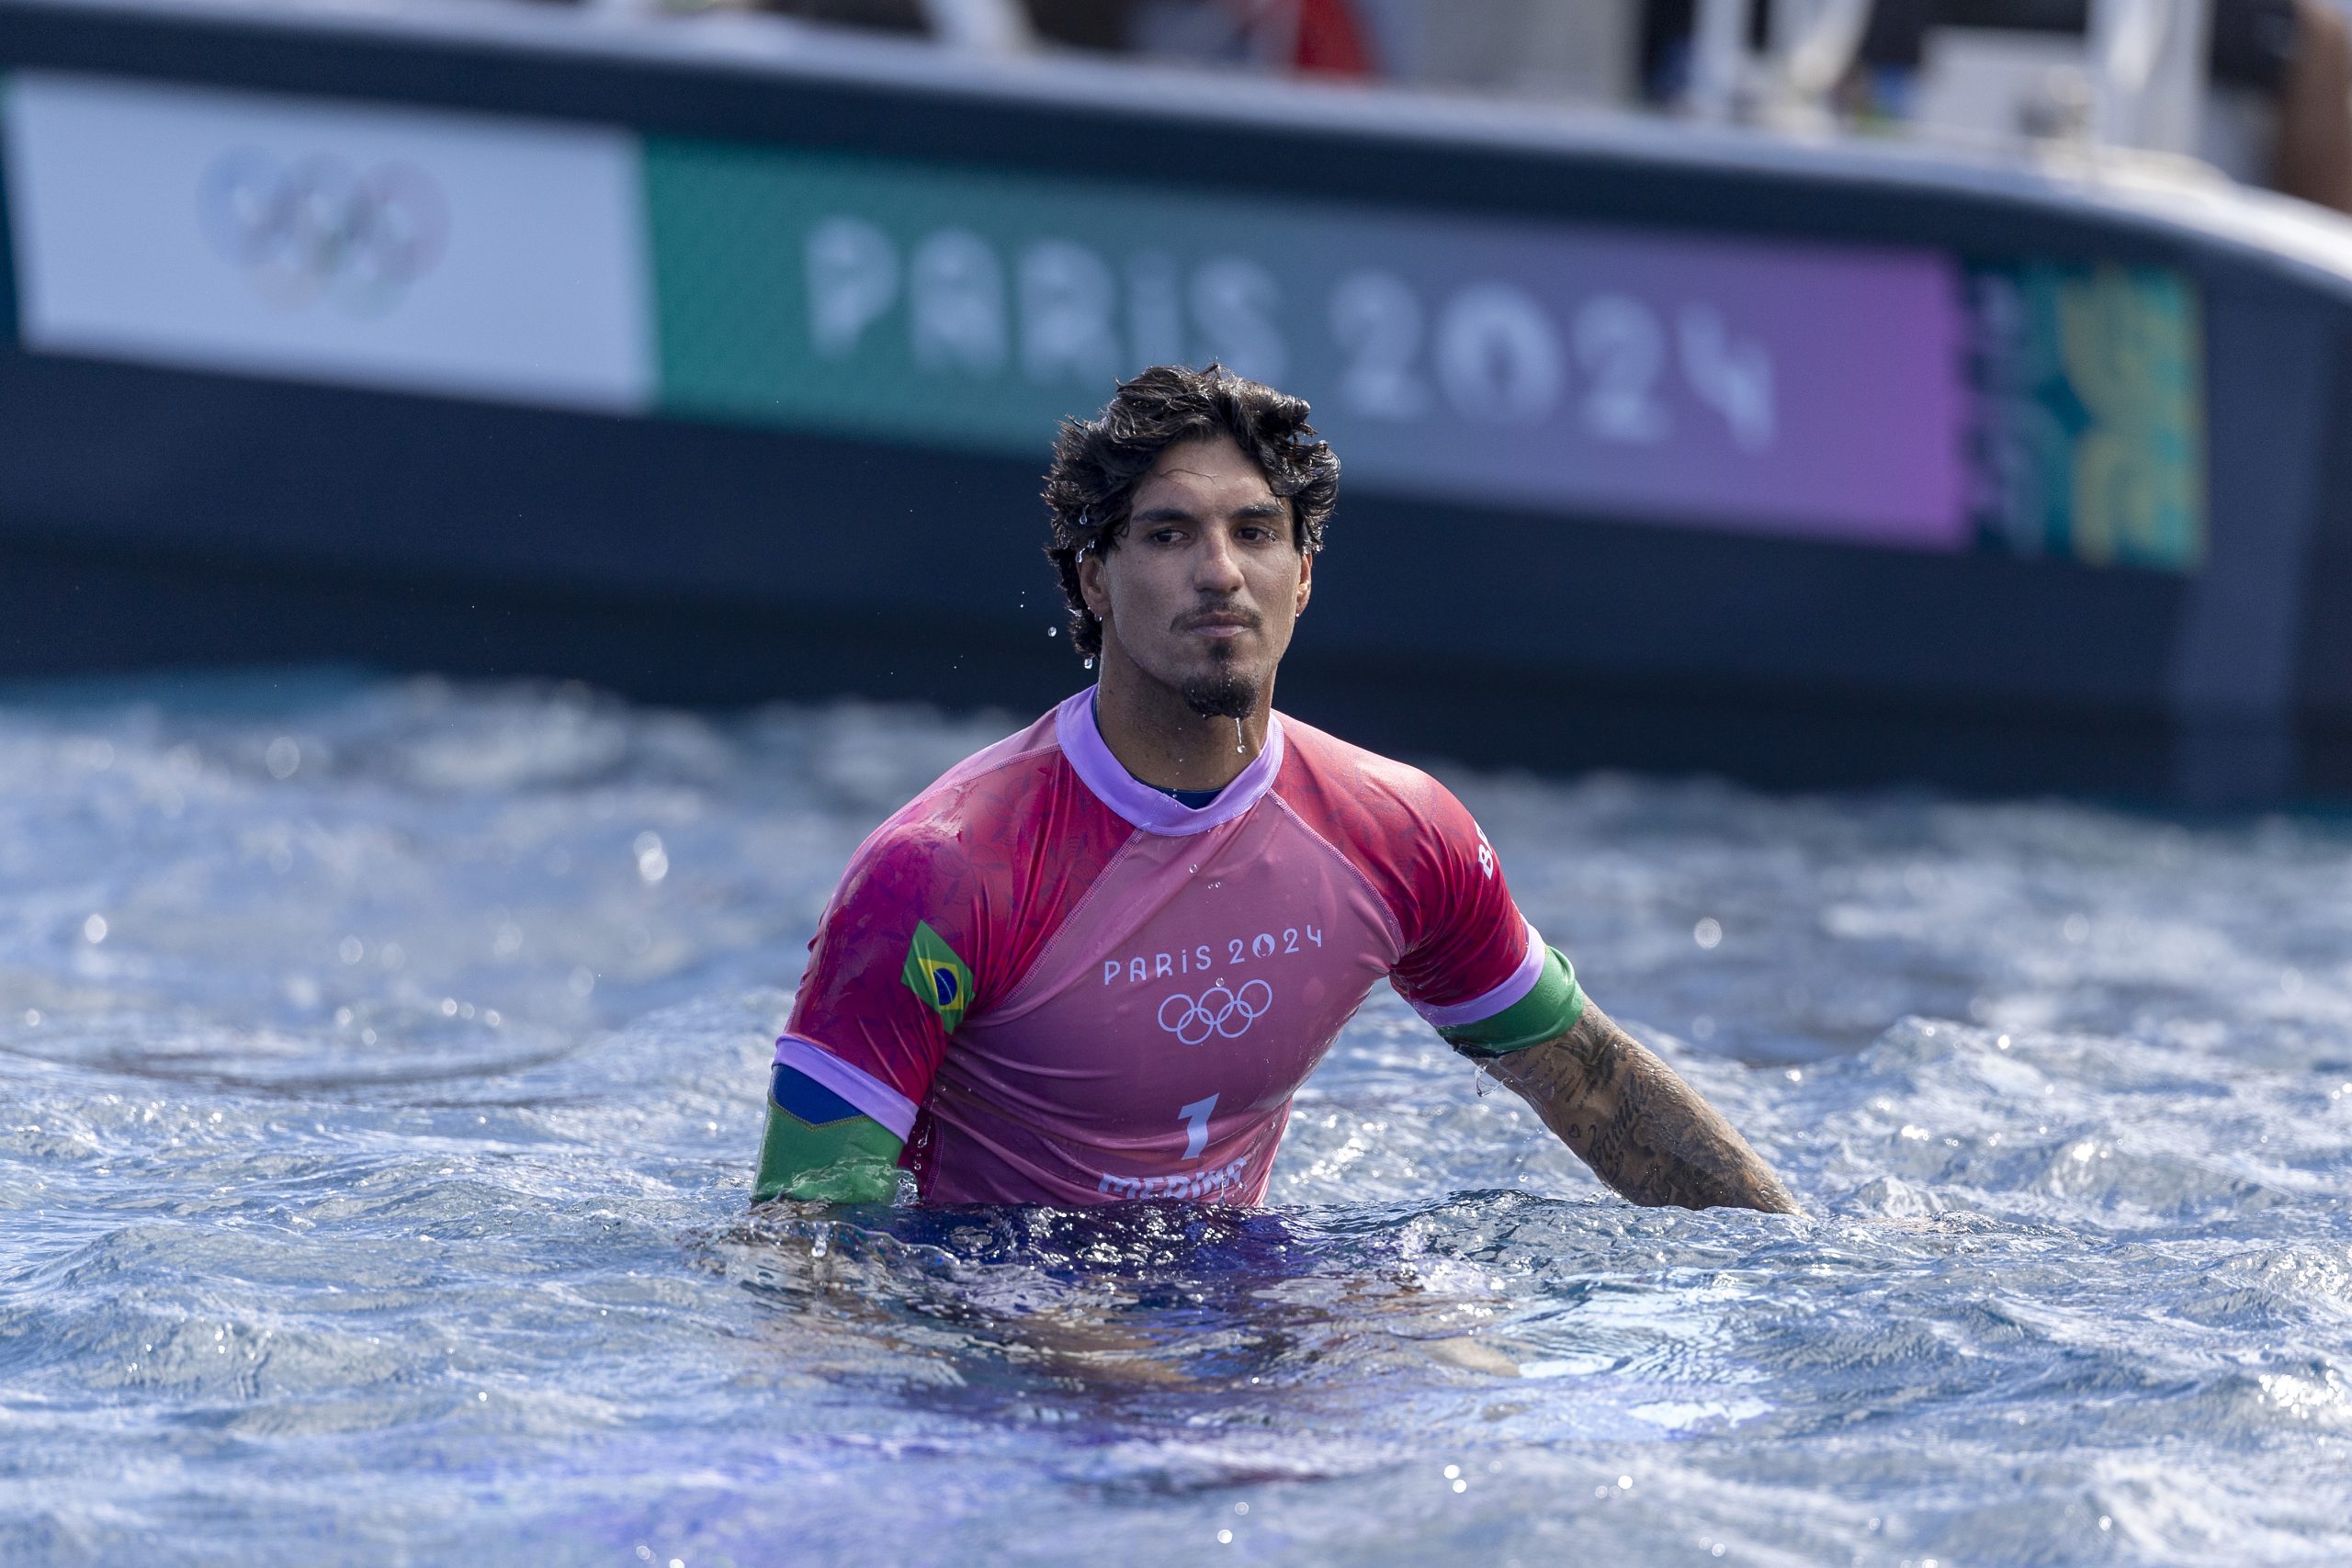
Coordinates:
<point>1799,391</point>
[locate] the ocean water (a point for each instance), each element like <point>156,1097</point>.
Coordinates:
<point>380,1070</point>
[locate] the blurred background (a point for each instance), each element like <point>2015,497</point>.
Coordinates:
<point>500,498</point>
<point>1820,391</point>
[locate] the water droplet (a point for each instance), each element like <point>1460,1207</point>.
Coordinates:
<point>1052,631</point>
<point>652,859</point>
<point>1240,741</point>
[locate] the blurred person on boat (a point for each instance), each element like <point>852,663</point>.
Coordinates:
<point>2280,109</point>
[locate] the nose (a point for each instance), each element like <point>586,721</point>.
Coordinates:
<point>1215,569</point>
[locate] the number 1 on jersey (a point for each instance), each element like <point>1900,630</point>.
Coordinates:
<point>1196,1118</point>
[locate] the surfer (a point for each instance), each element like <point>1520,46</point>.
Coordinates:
<point>1094,960</point>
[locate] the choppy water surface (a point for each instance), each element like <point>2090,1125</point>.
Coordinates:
<point>382,1062</point>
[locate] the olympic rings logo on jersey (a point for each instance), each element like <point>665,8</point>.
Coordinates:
<point>317,229</point>
<point>1217,1011</point>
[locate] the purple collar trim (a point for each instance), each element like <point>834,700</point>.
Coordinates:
<point>1140,804</point>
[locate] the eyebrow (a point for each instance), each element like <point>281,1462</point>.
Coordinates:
<point>1255,512</point>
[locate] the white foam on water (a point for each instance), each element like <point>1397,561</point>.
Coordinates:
<point>374,1186</point>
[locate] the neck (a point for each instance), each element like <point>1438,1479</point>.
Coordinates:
<point>1156,736</point>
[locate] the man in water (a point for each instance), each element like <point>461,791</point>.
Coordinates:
<point>1094,960</point>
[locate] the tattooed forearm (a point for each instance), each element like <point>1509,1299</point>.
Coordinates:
<point>1641,1129</point>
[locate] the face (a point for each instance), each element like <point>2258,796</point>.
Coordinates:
<point>1201,591</point>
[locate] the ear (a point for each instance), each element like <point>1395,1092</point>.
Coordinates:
<point>1091,586</point>
<point>1306,583</point>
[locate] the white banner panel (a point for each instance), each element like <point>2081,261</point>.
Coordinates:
<point>413,250</point>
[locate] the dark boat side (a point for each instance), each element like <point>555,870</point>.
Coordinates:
<point>694,537</point>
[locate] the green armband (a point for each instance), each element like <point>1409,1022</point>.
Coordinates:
<point>1548,1011</point>
<point>851,1160</point>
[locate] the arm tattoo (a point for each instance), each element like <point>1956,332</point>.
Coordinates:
<point>1643,1130</point>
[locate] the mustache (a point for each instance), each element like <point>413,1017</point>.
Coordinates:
<point>1240,614</point>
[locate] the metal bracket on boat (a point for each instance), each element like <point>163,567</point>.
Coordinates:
<point>1813,44</point>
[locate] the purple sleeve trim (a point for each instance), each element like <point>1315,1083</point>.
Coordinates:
<point>1479,1009</point>
<point>862,1089</point>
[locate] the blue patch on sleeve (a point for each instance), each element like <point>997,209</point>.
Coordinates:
<point>795,1091</point>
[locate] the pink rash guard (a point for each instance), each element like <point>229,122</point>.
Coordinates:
<point>1060,984</point>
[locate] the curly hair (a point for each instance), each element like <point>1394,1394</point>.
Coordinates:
<point>1090,488</point>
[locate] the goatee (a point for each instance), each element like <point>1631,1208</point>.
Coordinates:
<point>1225,695</point>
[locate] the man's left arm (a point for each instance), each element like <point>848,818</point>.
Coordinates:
<point>1478,972</point>
<point>1636,1122</point>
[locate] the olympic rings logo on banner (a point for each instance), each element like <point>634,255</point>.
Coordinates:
<point>317,229</point>
<point>1217,1011</point>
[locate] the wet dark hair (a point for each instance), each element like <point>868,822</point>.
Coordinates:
<point>1098,462</point>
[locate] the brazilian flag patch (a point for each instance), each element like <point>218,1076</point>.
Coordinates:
<point>933,973</point>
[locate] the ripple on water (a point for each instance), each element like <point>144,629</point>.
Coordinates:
<point>382,1067</point>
